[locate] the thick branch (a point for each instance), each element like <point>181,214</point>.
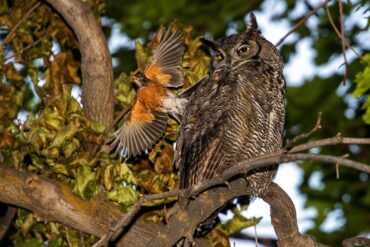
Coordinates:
<point>55,202</point>
<point>52,201</point>
<point>96,64</point>
<point>284,219</point>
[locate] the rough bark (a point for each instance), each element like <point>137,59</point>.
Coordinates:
<point>96,64</point>
<point>284,219</point>
<point>51,201</point>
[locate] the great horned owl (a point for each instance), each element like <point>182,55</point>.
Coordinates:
<point>237,113</point>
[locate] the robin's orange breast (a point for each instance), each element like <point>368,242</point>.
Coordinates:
<point>148,99</point>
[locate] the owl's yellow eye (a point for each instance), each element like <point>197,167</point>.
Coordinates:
<point>218,56</point>
<point>244,49</point>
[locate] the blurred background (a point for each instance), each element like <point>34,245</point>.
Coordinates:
<point>318,80</point>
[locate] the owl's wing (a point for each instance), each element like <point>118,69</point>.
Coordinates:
<point>190,90</point>
<point>165,65</point>
<point>201,158</point>
<point>141,131</point>
<point>200,145</point>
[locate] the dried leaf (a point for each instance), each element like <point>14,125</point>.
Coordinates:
<point>11,73</point>
<point>108,181</point>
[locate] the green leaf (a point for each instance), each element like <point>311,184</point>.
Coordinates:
<point>124,173</point>
<point>237,223</point>
<point>19,241</point>
<point>366,106</point>
<point>363,78</point>
<point>140,54</point>
<point>73,237</point>
<point>38,137</point>
<point>64,134</point>
<point>51,118</point>
<point>86,185</point>
<point>124,195</point>
<point>70,147</point>
<point>97,127</point>
<point>56,242</point>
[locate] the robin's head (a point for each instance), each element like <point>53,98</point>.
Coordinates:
<point>140,79</point>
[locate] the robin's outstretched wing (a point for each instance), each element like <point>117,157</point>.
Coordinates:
<point>141,131</point>
<point>165,65</point>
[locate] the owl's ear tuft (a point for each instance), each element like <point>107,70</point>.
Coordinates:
<point>209,43</point>
<point>252,24</point>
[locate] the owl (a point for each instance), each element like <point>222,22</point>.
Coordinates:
<point>236,113</point>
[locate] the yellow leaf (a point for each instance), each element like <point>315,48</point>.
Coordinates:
<point>11,73</point>
<point>141,55</point>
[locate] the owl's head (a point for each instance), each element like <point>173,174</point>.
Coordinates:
<point>246,49</point>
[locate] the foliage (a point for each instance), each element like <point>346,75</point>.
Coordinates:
<point>363,86</point>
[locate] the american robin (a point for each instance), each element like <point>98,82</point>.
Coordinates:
<point>155,102</point>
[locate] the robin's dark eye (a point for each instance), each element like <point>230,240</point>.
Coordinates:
<point>243,49</point>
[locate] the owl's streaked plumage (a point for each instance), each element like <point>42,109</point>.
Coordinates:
<point>237,113</point>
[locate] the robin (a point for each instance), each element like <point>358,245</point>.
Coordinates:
<point>147,119</point>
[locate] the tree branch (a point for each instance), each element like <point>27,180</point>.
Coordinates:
<point>302,136</point>
<point>95,216</point>
<point>6,220</point>
<point>338,139</point>
<point>37,195</point>
<point>296,26</point>
<point>342,41</point>
<point>284,219</point>
<point>340,36</point>
<point>96,64</point>
<point>9,37</point>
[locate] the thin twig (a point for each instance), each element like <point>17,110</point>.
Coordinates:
<point>29,46</point>
<point>10,34</point>
<point>255,235</point>
<point>338,139</point>
<point>342,41</point>
<point>119,117</point>
<point>296,26</point>
<point>121,225</point>
<point>340,36</point>
<point>337,166</point>
<point>307,134</point>
<point>254,163</point>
